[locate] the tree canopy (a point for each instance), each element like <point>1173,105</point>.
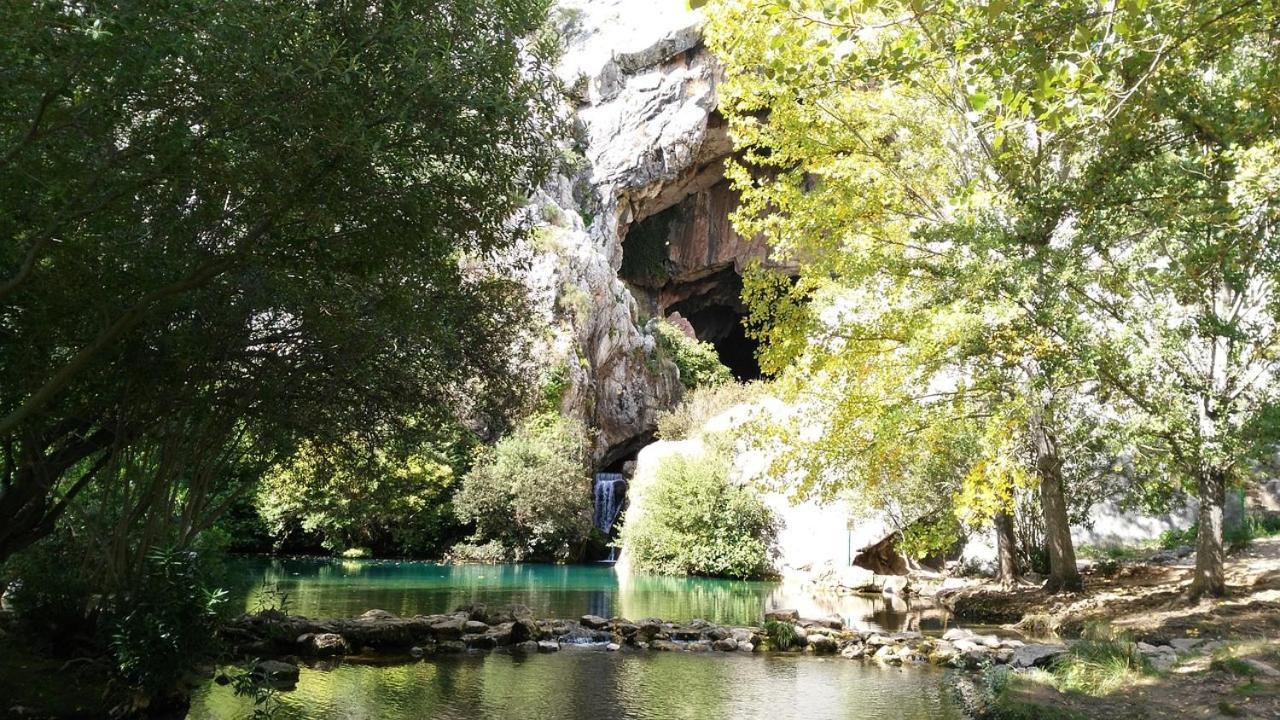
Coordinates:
<point>1004,213</point>
<point>232,227</point>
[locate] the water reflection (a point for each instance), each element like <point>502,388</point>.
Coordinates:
<point>576,684</point>
<point>337,588</point>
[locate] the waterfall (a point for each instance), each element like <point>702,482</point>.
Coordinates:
<point>609,491</point>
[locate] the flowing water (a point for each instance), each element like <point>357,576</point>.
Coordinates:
<point>607,493</point>
<point>578,683</point>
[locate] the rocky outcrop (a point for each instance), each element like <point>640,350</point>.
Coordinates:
<point>646,168</point>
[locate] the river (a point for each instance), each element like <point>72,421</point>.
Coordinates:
<point>577,683</point>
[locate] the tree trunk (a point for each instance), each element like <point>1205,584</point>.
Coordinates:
<point>1063,574</point>
<point>1007,560</point>
<point>1209,578</point>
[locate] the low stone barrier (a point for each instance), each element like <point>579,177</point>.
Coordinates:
<point>514,629</point>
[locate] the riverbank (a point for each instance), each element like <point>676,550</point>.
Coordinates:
<point>1217,658</point>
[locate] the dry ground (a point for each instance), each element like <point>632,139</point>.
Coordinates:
<point>1241,679</point>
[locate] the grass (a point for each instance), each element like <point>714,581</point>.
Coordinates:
<point>1233,666</point>
<point>782,635</point>
<point>704,403</point>
<point>1100,667</point>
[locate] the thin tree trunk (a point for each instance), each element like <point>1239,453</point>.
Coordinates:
<point>1209,578</point>
<point>1063,574</point>
<point>1006,542</point>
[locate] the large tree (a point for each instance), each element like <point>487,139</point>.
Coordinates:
<point>232,226</point>
<point>935,160</point>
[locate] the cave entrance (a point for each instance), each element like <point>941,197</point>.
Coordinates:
<point>716,314</point>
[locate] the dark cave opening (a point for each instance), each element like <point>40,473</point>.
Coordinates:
<point>716,315</point>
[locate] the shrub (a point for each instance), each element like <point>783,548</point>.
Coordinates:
<point>782,635</point>
<point>697,361</point>
<point>1099,663</point>
<point>703,403</point>
<point>1253,526</point>
<point>383,501</point>
<point>490,553</point>
<point>51,594</point>
<point>698,522</point>
<point>530,493</point>
<point>165,623</point>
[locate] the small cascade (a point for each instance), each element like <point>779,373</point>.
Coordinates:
<point>609,491</point>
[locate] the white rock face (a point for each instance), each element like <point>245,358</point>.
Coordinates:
<point>647,90</point>
<point>812,534</point>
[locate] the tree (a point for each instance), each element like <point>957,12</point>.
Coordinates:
<point>397,502</point>
<point>231,227</point>
<point>530,493</point>
<point>941,155</point>
<point>1184,321</point>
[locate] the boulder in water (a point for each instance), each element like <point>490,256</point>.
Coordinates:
<point>595,622</point>
<point>276,674</point>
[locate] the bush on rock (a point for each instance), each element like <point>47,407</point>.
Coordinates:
<point>699,522</point>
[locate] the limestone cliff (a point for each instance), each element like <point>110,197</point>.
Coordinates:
<point>635,224</point>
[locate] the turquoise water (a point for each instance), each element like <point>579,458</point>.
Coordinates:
<point>582,684</point>
<point>577,683</point>
<point>321,587</point>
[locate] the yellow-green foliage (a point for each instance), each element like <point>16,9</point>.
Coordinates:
<point>999,225</point>
<point>703,403</point>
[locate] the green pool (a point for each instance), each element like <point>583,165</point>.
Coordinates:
<point>320,587</point>
<point>577,683</point>
<point>582,684</point>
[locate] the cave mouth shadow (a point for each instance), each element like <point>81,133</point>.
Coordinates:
<point>716,315</point>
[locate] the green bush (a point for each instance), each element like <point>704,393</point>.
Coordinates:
<point>387,502</point>
<point>1253,526</point>
<point>703,403</point>
<point>165,623</point>
<point>52,595</point>
<point>782,635</point>
<point>1099,663</point>
<point>530,493</point>
<point>489,553</point>
<point>698,362</point>
<point>698,522</point>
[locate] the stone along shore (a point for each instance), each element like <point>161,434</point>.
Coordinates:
<point>477,628</point>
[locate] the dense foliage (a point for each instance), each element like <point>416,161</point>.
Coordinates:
<point>697,361</point>
<point>1033,239</point>
<point>698,521</point>
<point>241,236</point>
<point>395,503</point>
<point>237,226</point>
<point>529,494</point>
